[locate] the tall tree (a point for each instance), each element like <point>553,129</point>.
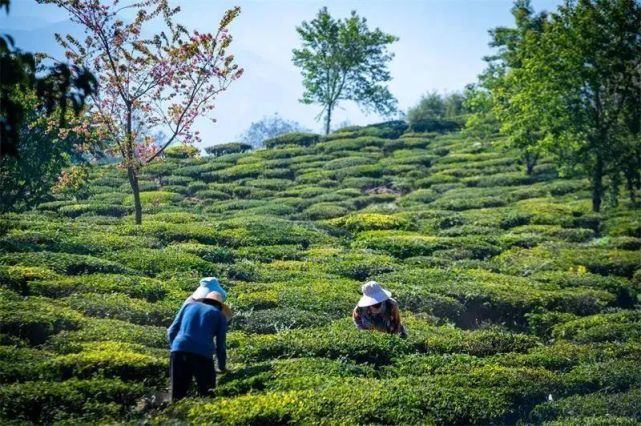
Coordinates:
<point>579,79</point>
<point>343,60</point>
<point>514,45</point>
<point>148,84</point>
<point>481,120</point>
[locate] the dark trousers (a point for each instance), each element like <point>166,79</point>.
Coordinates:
<point>185,365</point>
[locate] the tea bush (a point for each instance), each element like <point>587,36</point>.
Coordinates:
<point>127,362</point>
<point>119,306</point>
<point>35,319</point>
<point>520,304</point>
<point>618,326</point>
<point>295,138</point>
<point>64,263</point>
<point>625,404</point>
<point>72,400</point>
<point>137,287</point>
<point>108,329</point>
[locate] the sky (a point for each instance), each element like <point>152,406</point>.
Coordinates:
<point>440,48</point>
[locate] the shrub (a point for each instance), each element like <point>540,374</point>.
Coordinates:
<point>134,286</point>
<point>594,421</point>
<point>154,262</point>
<point>541,324</point>
<point>64,263</point>
<point>107,329</point>
<point>210,194</point>
<point>613,375</point>
<point>625,404</point>
<point>21,363</point>
<point>119,306</point>
<point>127,362</point>
<point>16,277</point>
<point>627,293</point>
<point>294,138</point>
<point>154,198</point>
<point>560,257</point>
<point>276,319</point>
<point>452,203</point>
<point>181,152</point>
<point>356,144</point>
<point>324,211</point>
<point>341,340</point>
<point>210,253</point>
<point>177,180</point>
<point>368,401</point>
<point>34,319</point>
<point>356,222</point>
<point>388,129</point>
<point>419,196</point>
<point>273,184</point>
<point>495,297</point>
<point>170,232</point>
<point>360,265</point>
<point>269,253</point>
<point>72,400</point>
<point>76,210</point>
<point>228,148</point>
<point>405,244</point>
<point>618,326</point>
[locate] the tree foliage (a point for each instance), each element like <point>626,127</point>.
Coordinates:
<point>56,88</point>
<point>344,60</point>
<point>514,47</point>
<point>27,177</point>
<point>569,84</point>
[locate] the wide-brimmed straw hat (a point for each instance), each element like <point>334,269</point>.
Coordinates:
<point>214,295</point>
<point>373,293</point>
<point>207,285</point>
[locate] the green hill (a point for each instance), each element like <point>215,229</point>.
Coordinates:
<point>520,303</point>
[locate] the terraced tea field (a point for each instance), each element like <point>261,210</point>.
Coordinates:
<point>520,304</point>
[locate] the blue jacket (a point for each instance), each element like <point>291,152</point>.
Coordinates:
<point>194,330</point>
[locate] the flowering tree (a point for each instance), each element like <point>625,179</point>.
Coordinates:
<point>147,83</point>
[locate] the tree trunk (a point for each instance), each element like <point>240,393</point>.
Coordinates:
<point>615,184</point>
<point>631,189</point>
<point>530,162</point>
<point>328,119</point>
<point>597,183</point>
<point>131,170</point>
<point>133,181</point>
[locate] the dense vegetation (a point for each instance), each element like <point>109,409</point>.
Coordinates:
<point>520,303</point>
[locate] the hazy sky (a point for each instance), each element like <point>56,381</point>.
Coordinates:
<point>441,46</point>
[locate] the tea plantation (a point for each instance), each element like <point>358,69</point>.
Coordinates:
<point>521,304</point>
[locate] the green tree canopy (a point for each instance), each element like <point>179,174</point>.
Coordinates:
<point>569,84</point>
<point>343,60</point>
<point>579,79</point>
<point>56,88</point>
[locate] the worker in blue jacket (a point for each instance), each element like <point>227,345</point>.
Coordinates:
<point>191,338</point>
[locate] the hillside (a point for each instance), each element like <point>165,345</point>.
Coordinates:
<point>518,300</point>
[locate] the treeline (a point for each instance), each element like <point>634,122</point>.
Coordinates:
<point>568,84</point>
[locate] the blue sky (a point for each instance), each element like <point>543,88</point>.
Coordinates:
<point>441,46</point>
